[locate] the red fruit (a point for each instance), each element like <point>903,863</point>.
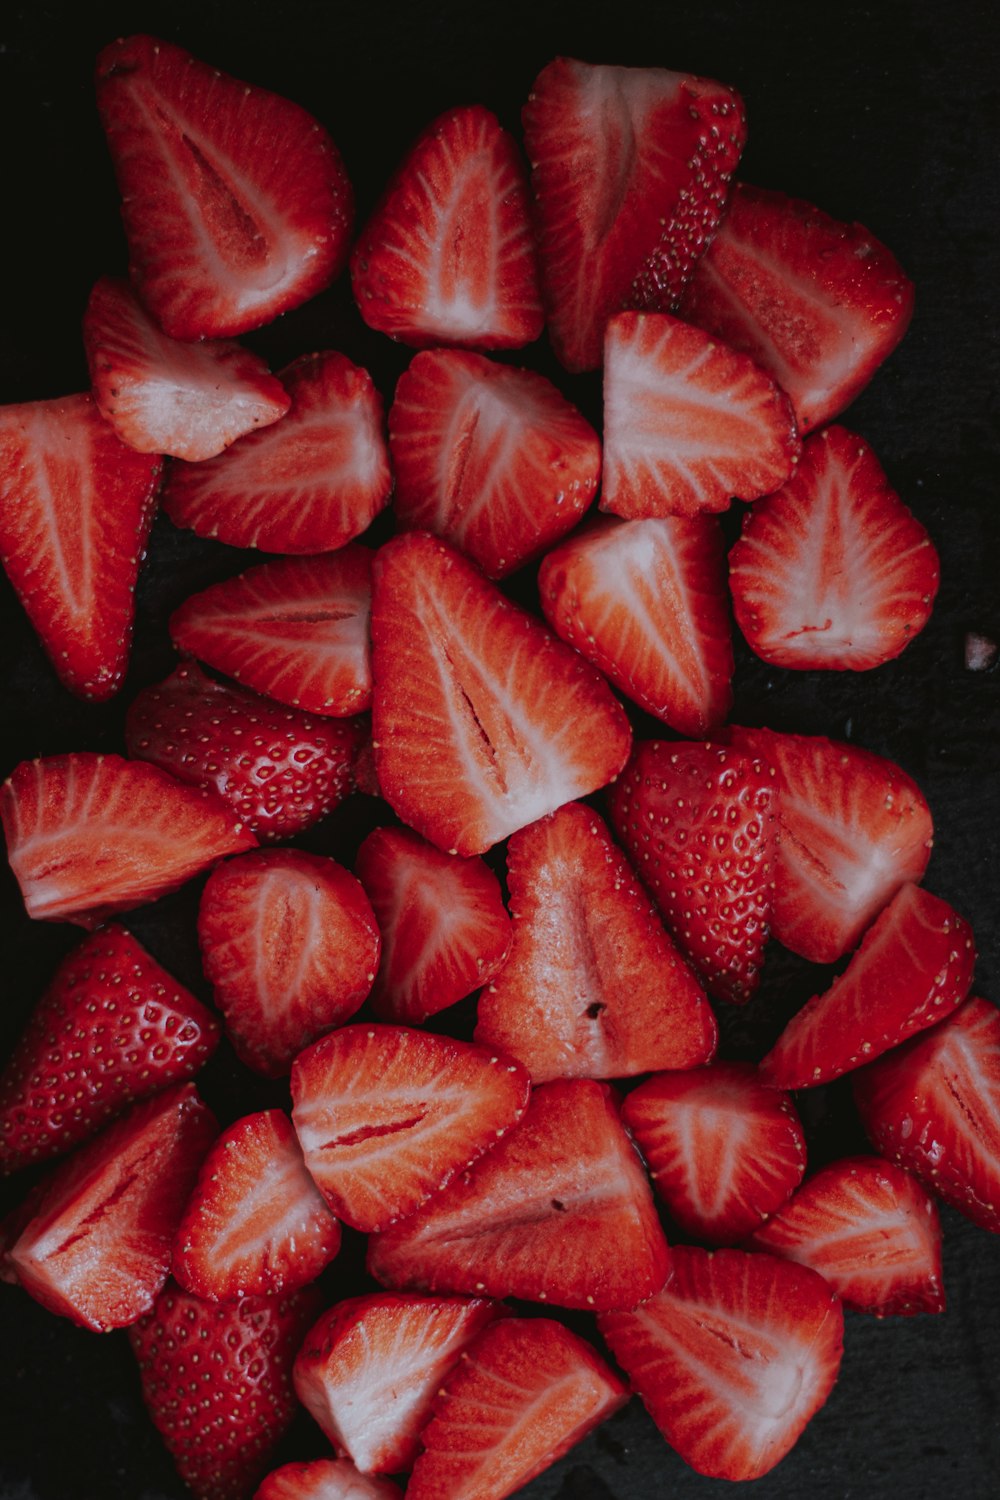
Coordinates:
<point>308,484</point>
<point>235,201</point>
<point>325,1479</point>
<point>447,257</point>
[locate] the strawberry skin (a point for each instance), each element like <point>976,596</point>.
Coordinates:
<point>325,1479</point>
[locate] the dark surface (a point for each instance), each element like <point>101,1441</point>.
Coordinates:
<point>884,113</point>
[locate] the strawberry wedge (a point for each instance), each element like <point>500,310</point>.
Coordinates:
<point>325,1479</point>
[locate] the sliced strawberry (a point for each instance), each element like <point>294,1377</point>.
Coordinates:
<point>593,988</point>
<point>732,1358</point>
<point>491,457</point>
<point>111,1027</point>
<point>630,169</point>
<point>560,1211</point>
<point>235,201</point>
<point>312,482</point>
<point>525,1393</point>
<point>290,945</point>
<point>914,965</point>
<point>76,506</point>
<point>295,629</point>
<point>89,835</point>
<point>698,824</point>
<point>645,601</point>
<point>325,1479</point>
<point>445,930</point>
<point>723,1150</point>
<point>817,303</point>
<point>482,721</point>
<point>448,256</point>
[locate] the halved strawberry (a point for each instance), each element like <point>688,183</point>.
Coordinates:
<point>447,257</point>
<point>593,987</point>
<point>76,506</point>
<point>325,1479</point>
<point>482,721</point>
<point>235,201</point>
<point>645,601</point>
<point>312,482</point>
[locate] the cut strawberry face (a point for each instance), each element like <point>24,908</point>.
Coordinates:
<point>325,1479</point>
<point>235,201</point>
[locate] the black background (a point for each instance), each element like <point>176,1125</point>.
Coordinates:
<point>887,114</point>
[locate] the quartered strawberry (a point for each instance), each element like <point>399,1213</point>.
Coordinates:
<point>235,201</point>
<point>482,721</point>
<point>76,506</point>
<point>817,303</point>
<point>491,457</point>
<point>560,1212</point>
<point>732,1358</point>
<point>630,170</point>
<point>593,987</point>
<point>325,1479</point>
<point>448,256</point>
<point>290,946</point>
<point>645,601</point>
<point>723,1150</point>
<point>111,1027</point>
<point>308,484</point>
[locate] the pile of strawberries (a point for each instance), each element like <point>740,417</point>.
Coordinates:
<point>733,325</point>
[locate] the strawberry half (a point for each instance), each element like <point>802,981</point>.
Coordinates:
<point>325,1479</point>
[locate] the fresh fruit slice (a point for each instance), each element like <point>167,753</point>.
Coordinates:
<point>732,1358</point>
<point>111,1028</point>
<point>723,1150</point>
<point>645,601</point>
<point>290,945</point>
<point>76,506</point>
<point>235,201</point>
<point>560,1212</point>
<point>593,987</point>
<point>448,257</point>
<point>310,483</point>
<point>325,1479</point>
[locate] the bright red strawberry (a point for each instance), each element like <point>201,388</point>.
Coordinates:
<point>698,824</point>
<point>817,303</point>
<point>445,930</point>
<point>593,987</point>
<point>325,1479</point>
<point>723,1150</point>
<point>76,506</point>
<point>235,201</point>
<point>290,945</point>
<point>482,721</point>
<point>525,1393</point>
<point>312,482</point>
<point>111,1027</point>
<point>89,835</point>
<point>630,169</point>
<point>560,1212</point>
<point>645,601</point>
<point>448,257</point>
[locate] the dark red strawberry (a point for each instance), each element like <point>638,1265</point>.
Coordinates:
<point>325,1479</point>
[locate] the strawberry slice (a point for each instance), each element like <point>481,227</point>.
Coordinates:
<point>445,930</point>
<point>325,1479</point>
<point>482,721</point>
<point>914,965</point>
<point>688,422</point>
<point>387,1116</point>
<point>732,1358</point>
<point>817,303</point>
<point>645,601</point>
<point>310,483</point>
<point>723,1150</point>
<point>76,506</point>
<point>493,458</point>
<point>593,988</point>
<point>560,1211</point>
<point>89,835</point>
<point>295,630</point>
<point>448,257</point>
<point>525,1393</point>
<point>235,201</point>
<point>290,946</point>
<point>111,1028</point>
<point>630,170</point>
